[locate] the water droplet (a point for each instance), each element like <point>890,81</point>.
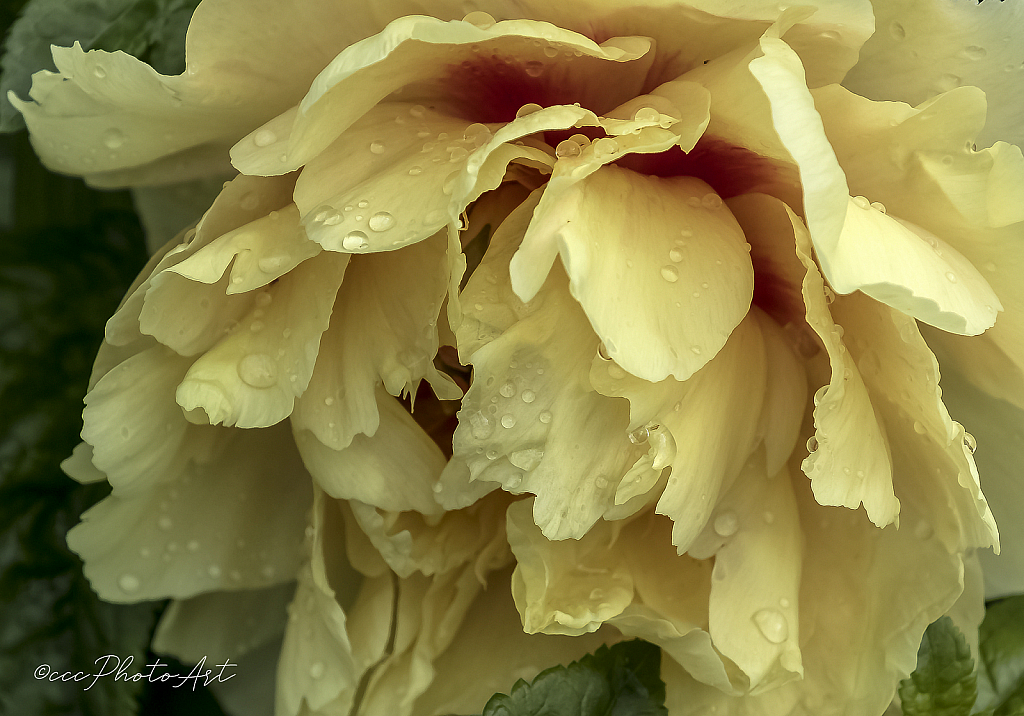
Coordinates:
<point>529,396</point>
<point>923,530</point>
<point>919,428</point>
<point>480,19</point>
<point>363,203</point>
<point>192,545</point>
<point>258,370</point>
<point>113,138</point>
<point>480,426</point>
<point>534,68</point>
<point>264,138</point>
<point>526,109</point>
<point>862,202</point>
<point>165,523</point>
<point>99,72</point>
<point>508,389</point>
<point>514,481</point>
<point>772,625</point>
<point>878,206</point>
<point>819,395</point>
<point>812,444</point>
<point>377,147</point>
<point>897,31</point>
<point>973,52</point>
<point>951,277</point>
<point>640,435</point>
<point>316,670</point>
<point>214,571</point>
<point>567,148</point>
<point>784,603</point>
<point>355,241</point>
<point>970,443</point>
<point>268,571</point>
<point>415,171</point>
<point>727,524</point>
<point>675,255</point>
<point>381,221</point>
<point>670,273</point>
<point>711,201</point>
<point>272,264</point>
<point>327,216</point>
<point>605,147</point>
<point>601,483</point>
<point>544,417</point>
<point>508,420</point>
<point>128,583</point>
<point>695,350</point>
<point>769,517</point>
<point>417,111</point>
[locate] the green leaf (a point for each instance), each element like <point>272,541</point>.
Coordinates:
<point>1001,667</point>
<point>152,30</point>
<point>623,680</point>
<point>57,287</point>
<point>944,682</point>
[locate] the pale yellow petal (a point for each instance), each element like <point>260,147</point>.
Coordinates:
<point>253,375</point>
<point>227,513</point>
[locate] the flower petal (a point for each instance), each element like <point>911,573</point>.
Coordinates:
<point>252,376</point>
<point>222,626</point>
<point>419,49</point>
<point>925,48</point>
<point>678,263</point>
<point>383,329</point>
<point>394,469</point>
<point>530,391</point>
<point>175,539</point>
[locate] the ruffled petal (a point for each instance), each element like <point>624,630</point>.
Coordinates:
<point>530,390</point>
<point>922,49</point>
<point>222,626</point>
<point>911,270</point>
<point>849,462</point>
<point>252,376</point>
<point>393,469</point>
<point>678,262</point>
<point>918,162</point>
<point>996,428</point>
<point>420,50</point>
<point>383,330</point>
<point>175,539</point>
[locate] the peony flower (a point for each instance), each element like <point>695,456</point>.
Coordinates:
<point>699,283</point>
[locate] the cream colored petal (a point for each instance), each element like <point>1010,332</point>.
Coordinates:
<point>137,435</point>
<point>420,49</point>
<point>410,542</point>
<point>998,429</point>
<point>569,586</point>
<point>919,164</point>
<point>922,49</point>
<point>223,626</point>
<point>79,466</point>
<point>850,459</point>
<point>230,516</point>
<point>530,394</point>
<point>674,115</point>
<point>799,126</point>
<point>911,270</point>
<point>394,469</point>
<point>383,329</point>
<point>755,538</point>
<point>659,265</point>
<point>491,645</point>
<point>901,374</point>
<point>253,375</point>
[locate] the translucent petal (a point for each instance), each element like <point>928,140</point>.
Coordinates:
<point>176,538</point>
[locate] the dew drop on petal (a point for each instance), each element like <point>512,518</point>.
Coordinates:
<point>567,148</point>
<point>508,420</point>
<point>417,111</point>
<point>415,171</point>
<point>772,625</point>
<point>897,31</point>
<point>508,389</point>
<point>675,255</point>
<point>99,72</point>
<point>354,241</point>
<point>544,417</point>
<point>316,670</point>
<point>113,138</point>
<point>973,52</point>
<point>526,109</point>
<point>711,201</point>
<point>529,396</point>
<point>862,202</point>
<point>480,426</point>
<point>128,583</point>
<point>951,277</point>
<point>381,221</point>
<point>480,19</point>
<point>919,428</point>
<point>213,571</point>
<point>264,138</point>
<point>670,273</point>
<point>377,147</point>
<point>970,443</point>
<point>165,523</point>
<point>258,370</point>
<point>726,524</point>
<point>534,68</point>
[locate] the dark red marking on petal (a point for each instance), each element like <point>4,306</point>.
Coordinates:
<point>728,169</point>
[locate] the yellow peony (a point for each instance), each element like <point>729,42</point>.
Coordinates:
<point>694,276</point>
